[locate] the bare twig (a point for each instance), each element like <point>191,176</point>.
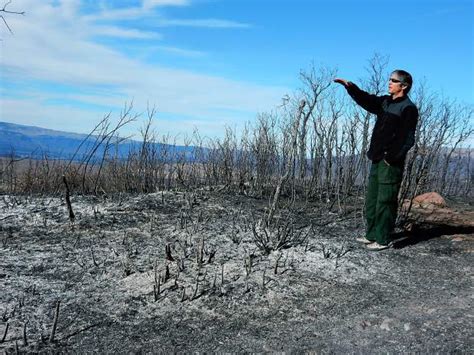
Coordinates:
<point>196,287</point>
<point>275,271</point>
<point>222,275</point>
<point>5,11</point>
<point>81,330</point>
<point>214,282</point>
<point>25,340</point>
<point>55,322</point>
<point>68,200</point>
<point>157,282</point>
<point>167,273</point>
<point>168,252</point>
<point>5,332</point>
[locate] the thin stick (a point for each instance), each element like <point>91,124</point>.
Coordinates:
<point>5,333</point>
<point>25,340</point>
<point>200,253</point>
<point>55,323</point>
<point>222,275</point>
<point>159,284</point>
<point>167,273</point>
<point>196,288</point>
<point>68,200</point>
<point>81,330</point>
<point>215,281</point>
<point>177,276</point>
<point>276,263</point>
<point>168,252</point>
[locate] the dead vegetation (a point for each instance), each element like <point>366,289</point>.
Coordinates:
<point>130,259</point>
<point>311,148</point>
<point>255,228</point>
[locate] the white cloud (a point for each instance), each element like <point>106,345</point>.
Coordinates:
<point>148,4</point>
<point>112,31</point>
<point>148,11</point>
<point>210,23</point>
<point>116,14</point>
<point>180,51</point>
<point>53,44</point>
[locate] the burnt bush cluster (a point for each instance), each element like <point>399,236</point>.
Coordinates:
<point>311,147</point>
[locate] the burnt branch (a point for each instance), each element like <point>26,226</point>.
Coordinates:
<point>5,11</point>
<point>5,332</point>
<point>55,322</point>
<point>68,200</point>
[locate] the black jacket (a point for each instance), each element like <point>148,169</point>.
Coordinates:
<point>394,131</point>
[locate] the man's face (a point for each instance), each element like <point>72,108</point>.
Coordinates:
<point>395,85</point>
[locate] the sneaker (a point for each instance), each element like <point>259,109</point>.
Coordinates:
<point>364,240</point>
<point>376,246</point>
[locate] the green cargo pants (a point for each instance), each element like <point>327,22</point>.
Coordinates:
<point>381,201</point>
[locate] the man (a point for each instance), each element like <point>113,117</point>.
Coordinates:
<point>392,137</point>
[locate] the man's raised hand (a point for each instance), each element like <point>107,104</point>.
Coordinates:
<point>343,82</point>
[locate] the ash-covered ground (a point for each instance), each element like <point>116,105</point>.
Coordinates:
<point>118,290</point>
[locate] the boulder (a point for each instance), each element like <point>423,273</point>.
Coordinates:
<point>430,198</point>
<point>431,208</point>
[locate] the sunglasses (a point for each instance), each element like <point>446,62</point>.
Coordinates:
<point>393,80</point>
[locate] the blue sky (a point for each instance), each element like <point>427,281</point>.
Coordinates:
<point>212,63</point>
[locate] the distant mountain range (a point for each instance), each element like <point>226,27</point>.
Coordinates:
<point>35,142</point>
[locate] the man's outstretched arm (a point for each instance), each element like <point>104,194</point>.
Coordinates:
<point>371,103</point>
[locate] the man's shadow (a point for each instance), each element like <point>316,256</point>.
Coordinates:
<point>422,234</point>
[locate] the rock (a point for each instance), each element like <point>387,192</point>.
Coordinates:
<point>364,324</point>
<point>431,208</point>
<point>430,198</point>
<point>460,237</point>
<point>386,324</point>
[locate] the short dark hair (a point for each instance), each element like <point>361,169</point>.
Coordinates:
<point>405,78</point>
